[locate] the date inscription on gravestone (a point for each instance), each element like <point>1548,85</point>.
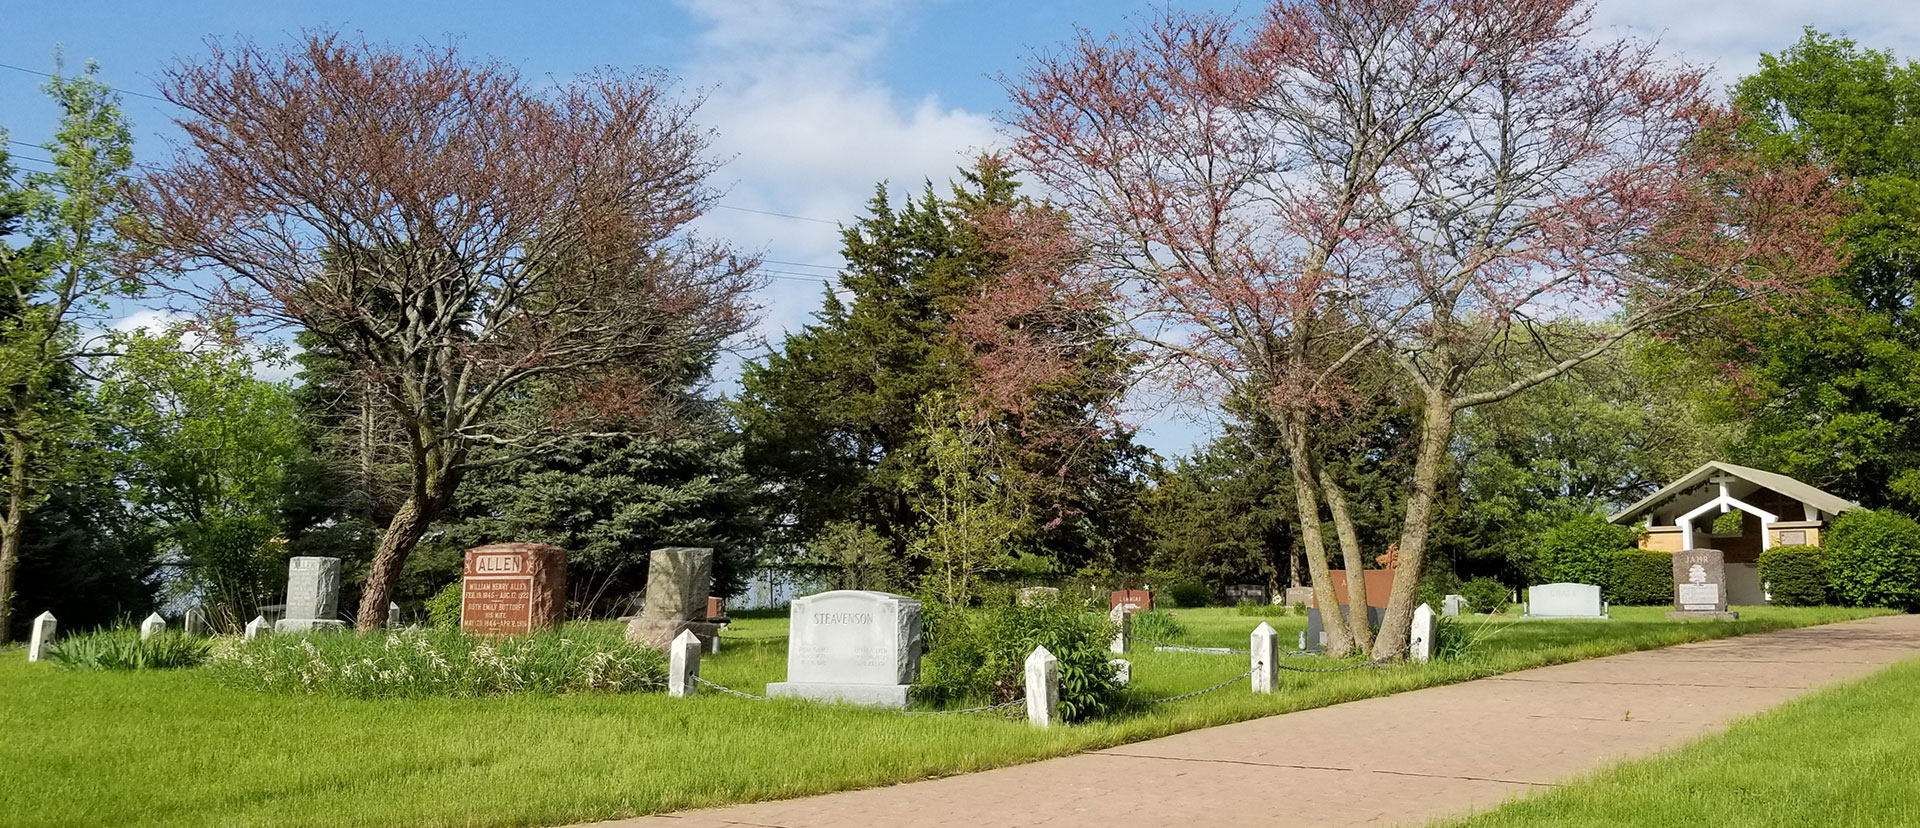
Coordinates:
<point>496,596</point>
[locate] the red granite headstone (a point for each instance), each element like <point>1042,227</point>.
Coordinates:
<point>1137,600</point>
<point>513,588</point>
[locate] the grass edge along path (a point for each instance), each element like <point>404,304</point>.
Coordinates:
<point>1842,756</point>
<point>175,748</point>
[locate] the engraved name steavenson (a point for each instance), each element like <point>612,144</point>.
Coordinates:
<point>843,618</point>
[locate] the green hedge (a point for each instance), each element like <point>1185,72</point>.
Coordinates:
<point>1796,576</point>
<point>1640,578</point>
<point>1873,559</point>
<point>1486,595</point>
<point>1580,550</point>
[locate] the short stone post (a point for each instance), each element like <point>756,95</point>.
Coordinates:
<point>1265,645</point>
<point>1122,671</point>
<point>42,635</point>
<point>1122,618</point>
<point>393,614</point>
<point>1420,641</point>
<point>683,665</point>
<point>195,622</point>
<point>256,628</point>
<point>153,624</point>
<point>1043,688</point>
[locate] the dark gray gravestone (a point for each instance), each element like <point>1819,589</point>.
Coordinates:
<point>1317,629</point>
<point>1700,585</point>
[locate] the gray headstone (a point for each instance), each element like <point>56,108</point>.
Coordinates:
<point>1317,628</point>
<point>313,595</point>
<point>1700,585</point>
<point>41,636</point>
<point>1299,596</point>
<point>1035,596</point>
<point>195,622</point>
<point>154,624</point>
<point>679,578</point>
<point>1043,687</point>
<point>1452,605</point>
<point>852,646</point>
<point>1565,601</point>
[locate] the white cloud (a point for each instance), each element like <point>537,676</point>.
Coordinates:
<point>1730,35</point>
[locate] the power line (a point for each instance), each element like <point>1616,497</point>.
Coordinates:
<point>114,88</point>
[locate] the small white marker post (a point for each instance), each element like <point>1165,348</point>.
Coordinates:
<point>393,614</point>
<point>1122,618</point>
<point>256,628</point>
<point>153,624</point>
<point>1122,671</point>
<point>1420,641</point>
<point>1265,646</point>
<point>1043,688</point>
<point>42,635</point>
<point>683,665</point>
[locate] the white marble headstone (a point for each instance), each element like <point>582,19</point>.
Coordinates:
<point>41,636</point>
<point>1565,601</point>
<point>152,625</point>
<point>852,645</point>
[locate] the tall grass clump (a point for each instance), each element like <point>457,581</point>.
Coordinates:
<point>1158,625</point>
<point>123,649</point>
<point>439,662</point>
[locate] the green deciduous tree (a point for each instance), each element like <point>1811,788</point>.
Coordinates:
<point>60,279</point>
<point>1833,389</point>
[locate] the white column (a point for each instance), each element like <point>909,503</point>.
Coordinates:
<point>683,665</point>
<point>1264,644</point>
<point>1043,688</point>
<point>42,635</point>
<point>153,624</point>
<point>1122,618</point>
<point>1420,641</point>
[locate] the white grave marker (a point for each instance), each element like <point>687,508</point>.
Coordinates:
<point>42,635</point>
<point>1565,601</point>
<point>257,627</point>
<point>153,624</point>
<point>1043,687</point>
<point>852,646</point>
<point>1266,658</point>
<point>1425,628</point>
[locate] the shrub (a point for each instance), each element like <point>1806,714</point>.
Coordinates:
<point>443,609</point>
<point>123,649</point>
<point>1159,625</point>
<point>1873,559</point>
<point>438,662</point>
<point>1486,595</point>
<point>1259,610</point>
<point>1435,585</point>
<point>1640,578</point>
<point>1580,550</point>
<point>979,655</point>
<point>1185,594</point>
<point>1796,576</point>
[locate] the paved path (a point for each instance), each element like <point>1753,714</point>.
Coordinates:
<point>1421,755</point>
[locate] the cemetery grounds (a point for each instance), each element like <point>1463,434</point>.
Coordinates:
<point>178,748</point>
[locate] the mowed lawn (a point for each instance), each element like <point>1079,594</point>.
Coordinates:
<point>178,748</point>
<point>1849,756</point>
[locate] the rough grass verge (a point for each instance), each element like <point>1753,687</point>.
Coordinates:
<point>440,662</point>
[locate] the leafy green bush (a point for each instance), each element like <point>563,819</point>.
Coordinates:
<point>979,655</point>
<point>1435,585</point>
<point>1640,578</point>
<point>1486,595</point>
<point>438,662</point>
<point>1184,594</point>
<point>123,649</point>
<point>1580,550</point>
<point>443,609</point>
<point>1873,559</point>
<point>1158,625</point>
<point>1796,576</point>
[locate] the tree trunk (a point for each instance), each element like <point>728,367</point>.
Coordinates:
<point>403,533</point>
<point>1360,625</point>
<point>10,532</point>
<point>1436,433</point>
<point>1339,637</point>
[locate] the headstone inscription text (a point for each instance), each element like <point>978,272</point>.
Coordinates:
<point>852,646</point>
<point>1136,600</point>
<point>1700,585</point>
<point>512,588</point>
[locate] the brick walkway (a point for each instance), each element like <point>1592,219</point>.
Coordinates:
<point>1422,755</point>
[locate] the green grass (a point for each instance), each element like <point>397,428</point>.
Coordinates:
<point>178,748</point>
<point>1843,757</point>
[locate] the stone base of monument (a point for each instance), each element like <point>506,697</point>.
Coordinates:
<point>1683,615</point>
<point>658,633</point>
<point>300,625</point>
<point>872,695</point>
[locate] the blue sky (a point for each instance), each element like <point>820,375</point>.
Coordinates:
<point>814,100</point>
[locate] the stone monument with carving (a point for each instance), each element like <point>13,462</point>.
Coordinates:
<point>1700,585</point>
<point>852,646</point>
<point>679,579</point>
<point>313,596</point>
<point>509,589</point>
